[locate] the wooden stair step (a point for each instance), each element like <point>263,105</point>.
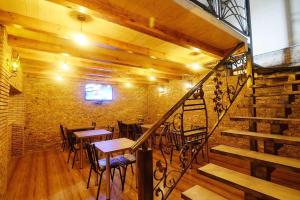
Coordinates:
<point>266,119</point>
<point>296,82</point>
<point>276,76</point>
<point>281,139</point>
<point>200,193</point>
<point>269,106</point>
<point>274,94</point>
<point>264,158</point>
<point>255,186</point>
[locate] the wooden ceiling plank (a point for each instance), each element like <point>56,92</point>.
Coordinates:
<point>9,18</point>
<point>103,9</point>
<point>135,59</point>
<point>73,50</point>
<point>101,66</point>
<point>34,64</point>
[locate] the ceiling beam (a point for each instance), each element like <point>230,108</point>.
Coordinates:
<point>75,70</point>
<point>52,75</point>
<point>135,59</point>
<point>9,18</point>
<point>57,59</point>
<point>71,48</point>
<point>104,9</point>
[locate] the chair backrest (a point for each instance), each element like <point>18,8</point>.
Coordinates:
<point>93,156</point>
<point>137,131</point>
<point>71,139</point>
<point>122,129</point>
<point>62,132</point>
<point>94,124</point>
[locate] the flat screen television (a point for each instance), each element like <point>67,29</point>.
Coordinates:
<point>98,92</point>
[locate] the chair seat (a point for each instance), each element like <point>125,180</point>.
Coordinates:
<point>114,162</point>
<point>126,158</point>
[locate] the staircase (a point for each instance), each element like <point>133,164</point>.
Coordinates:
<point>258,185</point>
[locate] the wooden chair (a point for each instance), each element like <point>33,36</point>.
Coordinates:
<point>63,137</point>
<point>73,147</point>
<point>99,166</point>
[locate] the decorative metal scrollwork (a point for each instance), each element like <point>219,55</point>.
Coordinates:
<point>228,79</point>
<point>232,12</point>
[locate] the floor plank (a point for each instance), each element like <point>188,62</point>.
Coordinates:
<point>46,175</point>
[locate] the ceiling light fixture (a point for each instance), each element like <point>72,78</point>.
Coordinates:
<point>80,38</point>
<point>128,84</point>
<point>59,78</point>
<point>64,66</point>
<point>195,66</point>
<point>152,78</point>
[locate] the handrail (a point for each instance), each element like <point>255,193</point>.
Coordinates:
<point>141,140</point>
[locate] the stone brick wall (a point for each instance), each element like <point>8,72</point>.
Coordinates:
<point>284,57</point>
<point>5,138</point>
<point>49,103</point>
<point>175,90</point>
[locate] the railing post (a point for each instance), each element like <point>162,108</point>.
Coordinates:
<point>145,173</point>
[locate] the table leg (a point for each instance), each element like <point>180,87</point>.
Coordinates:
<point>81,152</point>
<point>108,176</point>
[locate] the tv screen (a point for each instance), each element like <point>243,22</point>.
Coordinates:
<point>98,92</point>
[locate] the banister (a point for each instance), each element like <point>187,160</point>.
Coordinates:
<point>141,140</point>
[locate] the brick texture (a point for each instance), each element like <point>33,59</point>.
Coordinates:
<point>49,103</point>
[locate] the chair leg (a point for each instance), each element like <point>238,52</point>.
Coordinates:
<point>99,185</point>
<point>132,169</point>
<point>88,183</point>
<point>112,175</point>
<point>123,178</point>
<point>69,156</point>
<point>74,158</point>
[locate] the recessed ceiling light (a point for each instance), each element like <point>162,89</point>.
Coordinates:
<point>195,66</point>
<point>196,49</point>
<point>127,84</point>
<point>65,66</point>
<point>80,39</point>
<point>59,78</point>
<point>153,57</point>
<point>152,78</point>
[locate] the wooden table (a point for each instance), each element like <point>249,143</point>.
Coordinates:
<point>79,128</point>
<point>88,134</point>
<point>111,146</point>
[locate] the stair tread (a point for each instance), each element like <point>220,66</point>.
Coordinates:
<point>265,119</point>
<point>292,140</point>
<point>269,159</point>
<point>264,105</point>
<point>200,193</point>
<point>253,185</point>
<point>274,94</point>
<point>276,84</point>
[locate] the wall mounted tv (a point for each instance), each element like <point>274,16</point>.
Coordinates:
<point>98,92</point>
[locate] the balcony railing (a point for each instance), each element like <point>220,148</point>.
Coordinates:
<point>234,13</point>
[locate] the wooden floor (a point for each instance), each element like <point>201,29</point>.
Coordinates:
<point>46,175</point>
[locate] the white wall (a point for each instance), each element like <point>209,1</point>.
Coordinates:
<point>269,25</point>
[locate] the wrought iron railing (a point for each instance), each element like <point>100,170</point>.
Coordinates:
<point>232,12</point>
<point>227,78</point>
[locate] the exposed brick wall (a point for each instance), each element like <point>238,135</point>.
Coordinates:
<point>5,138</point>
<point>16,121</point>
<point>287,56</point>
<point>159,104</point>
<point>49,103</point>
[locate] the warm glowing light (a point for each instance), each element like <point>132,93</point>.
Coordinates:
<point>188,85</point>
<point>65,67</point>
<point>65,54</point>
<point>80,39</point>
<point>152,78</point>
<point>82,9</point>
<point>196,49</point>
<point>162,89</point>
<point>15,66</point>
<point>194,66</point>
<point>153,57</point>
<point>129,85</point>
<point>59,78</point>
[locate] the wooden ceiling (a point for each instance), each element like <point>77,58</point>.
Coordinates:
<point>129,41</point>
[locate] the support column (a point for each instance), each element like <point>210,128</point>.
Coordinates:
<point>145,173</point>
